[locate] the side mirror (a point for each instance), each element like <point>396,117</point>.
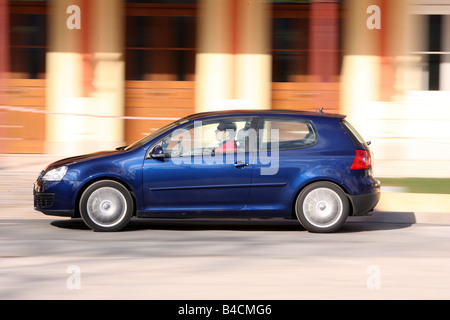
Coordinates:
<point>157,152</point>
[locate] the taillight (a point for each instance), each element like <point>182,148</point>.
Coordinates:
<point>362,160</point>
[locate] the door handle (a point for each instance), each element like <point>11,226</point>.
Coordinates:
<point>240,164</point>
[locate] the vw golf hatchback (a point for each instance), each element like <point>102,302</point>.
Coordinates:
<point>310,166</point>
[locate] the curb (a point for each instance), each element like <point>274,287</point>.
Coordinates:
<point>412,208</point>
<point>414,202</point>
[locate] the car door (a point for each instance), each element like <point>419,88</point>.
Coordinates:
<point>191,178</point>
<point>285,156</point>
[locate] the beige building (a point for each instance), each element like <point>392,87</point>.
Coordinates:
<point>395,84</point>
<point>84,75</point>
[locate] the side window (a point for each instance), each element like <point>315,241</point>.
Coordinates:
<point>208,137</point>
<point>287,133</point>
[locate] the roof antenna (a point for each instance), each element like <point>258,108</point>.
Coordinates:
<point>320,110</point>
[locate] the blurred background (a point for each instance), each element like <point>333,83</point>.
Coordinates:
<point>78,76</point>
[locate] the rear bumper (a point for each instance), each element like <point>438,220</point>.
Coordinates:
<point>364,204</point>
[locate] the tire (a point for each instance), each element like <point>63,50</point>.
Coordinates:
<point>106,206</point>
<point>322,207</point>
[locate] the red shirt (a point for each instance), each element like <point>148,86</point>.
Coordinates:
<point>228,146</point>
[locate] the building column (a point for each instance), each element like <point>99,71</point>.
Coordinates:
<point>361,62</point>
<point>85,76</point>
<point>233,63</point>
<point>214,60</point>
<point>108,79</point>
<point>253,66</point>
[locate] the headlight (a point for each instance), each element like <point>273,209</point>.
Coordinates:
<point>55,174</point>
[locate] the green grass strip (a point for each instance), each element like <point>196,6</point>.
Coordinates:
<point>419,185</point>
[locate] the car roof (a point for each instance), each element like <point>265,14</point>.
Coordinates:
<point>256,112</point>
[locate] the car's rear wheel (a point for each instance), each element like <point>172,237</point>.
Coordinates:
<point>322,207</point>
<point>106,206</point>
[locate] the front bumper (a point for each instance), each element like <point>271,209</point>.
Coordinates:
<point>364,204</point>
<point>54,198</point>
<point>43,202</point>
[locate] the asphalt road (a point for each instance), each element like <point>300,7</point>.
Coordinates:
<point>58,258</point>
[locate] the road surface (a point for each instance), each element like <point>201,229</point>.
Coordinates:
<point>60,258</point>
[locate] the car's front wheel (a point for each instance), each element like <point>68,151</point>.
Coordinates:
<point>322,207</point>
<point>106,206</point>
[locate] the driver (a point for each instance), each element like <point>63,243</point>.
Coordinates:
<point>225,133</point>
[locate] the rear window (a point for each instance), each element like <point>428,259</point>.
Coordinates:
<point>357,139</point>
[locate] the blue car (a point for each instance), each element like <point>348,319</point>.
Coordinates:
<point>310,166</point>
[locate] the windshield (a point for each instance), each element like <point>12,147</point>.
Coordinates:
<point>153,135</point>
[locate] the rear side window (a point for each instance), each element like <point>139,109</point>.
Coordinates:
<point>286,133</point>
